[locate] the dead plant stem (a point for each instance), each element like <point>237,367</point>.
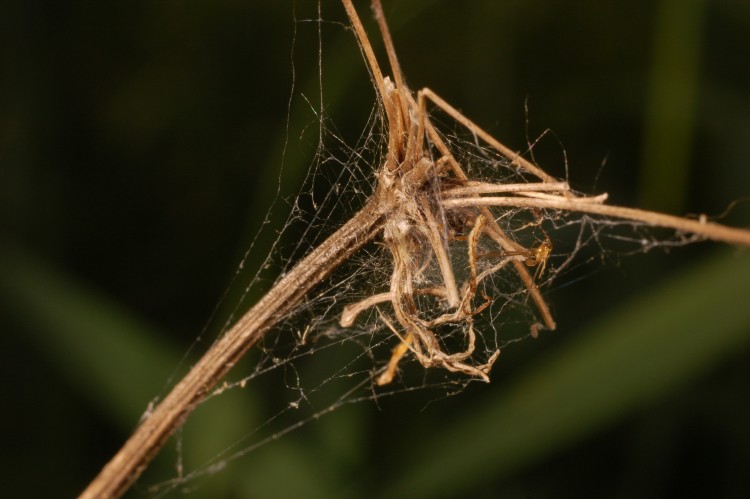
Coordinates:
<point>143,445</point>
<point>700,227</point>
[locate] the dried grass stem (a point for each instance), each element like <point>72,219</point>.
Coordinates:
<point>125,467</point>
<point>701,226</point>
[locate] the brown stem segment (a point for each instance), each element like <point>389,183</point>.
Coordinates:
<point>125,467</point>
<point>701,227</point>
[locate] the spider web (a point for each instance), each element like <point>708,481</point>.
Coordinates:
<point>310,365</point>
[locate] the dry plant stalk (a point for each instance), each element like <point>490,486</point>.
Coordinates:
<point>422,190</point>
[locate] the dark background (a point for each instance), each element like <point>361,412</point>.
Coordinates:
<point>140,145</point>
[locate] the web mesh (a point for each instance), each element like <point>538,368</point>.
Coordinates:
<point>318,360</point>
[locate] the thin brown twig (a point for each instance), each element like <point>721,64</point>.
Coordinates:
<point>142,446</point>
<point>701,226</point>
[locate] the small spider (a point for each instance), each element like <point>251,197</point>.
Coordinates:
<point>539,256</point>
<point>534,257</point>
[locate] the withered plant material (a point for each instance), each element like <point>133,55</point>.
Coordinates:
<point>424,205</point>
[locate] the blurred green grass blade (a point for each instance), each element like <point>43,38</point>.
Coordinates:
<point>672,105</point>
<point>115,359</point>
<point>120,363</point>
<point>647,347</point>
